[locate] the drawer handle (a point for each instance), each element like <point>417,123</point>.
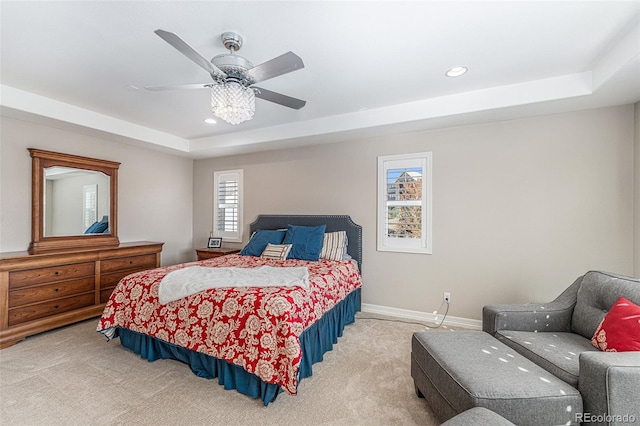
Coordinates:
<point>57,272</point>
<point>56,306</point>
<point>57,290</point>
<point>131,262</point>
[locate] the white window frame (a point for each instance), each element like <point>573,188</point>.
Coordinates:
<point>218,177</point>
<point>423,245</point>
<point>89,205</point>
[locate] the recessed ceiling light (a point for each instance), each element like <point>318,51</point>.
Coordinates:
<point>456,71</point>
<point>210,121</point>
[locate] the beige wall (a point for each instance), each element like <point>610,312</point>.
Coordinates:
<point>636,208</point>
<point>155,189</point>
<point>521,208</point>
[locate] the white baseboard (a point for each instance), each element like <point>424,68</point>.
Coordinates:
<point>424,317</point>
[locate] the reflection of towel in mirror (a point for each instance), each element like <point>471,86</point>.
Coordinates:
<point>193,279</point>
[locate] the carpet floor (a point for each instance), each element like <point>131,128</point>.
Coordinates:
<point>73,376</point>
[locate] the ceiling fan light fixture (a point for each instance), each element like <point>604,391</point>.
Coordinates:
<point>233,96</point>
<point>232,102</point>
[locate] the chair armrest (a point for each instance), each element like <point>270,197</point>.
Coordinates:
<point>609,383</point>
<point>552,316</point>
<point>527,317</point>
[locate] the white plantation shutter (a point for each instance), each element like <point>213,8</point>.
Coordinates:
<point>404,203</point>
<point>89,205</point>
<point>227,205</point>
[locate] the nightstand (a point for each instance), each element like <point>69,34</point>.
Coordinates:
<point>209,253</point>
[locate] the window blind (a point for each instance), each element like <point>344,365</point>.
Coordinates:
<point>227,205</point>
<point>90,205</point>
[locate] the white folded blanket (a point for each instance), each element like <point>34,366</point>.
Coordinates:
<point>193,279</point>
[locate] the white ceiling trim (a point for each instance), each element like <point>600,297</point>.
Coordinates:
<point>620,56</point>
<point>20,100</point>
<point>493,98</point>
<point>530,92</point>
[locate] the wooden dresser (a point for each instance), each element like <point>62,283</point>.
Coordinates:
<point>39,292</point>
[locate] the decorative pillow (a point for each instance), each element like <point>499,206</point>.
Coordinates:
<point>619,330</point>
<point>97,228</point>
<point>334,245</point>
<point>259,241</point>
<point>306,240</point>
<point>276,251</point>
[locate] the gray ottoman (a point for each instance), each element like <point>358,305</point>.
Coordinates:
<point>478,416</point>
<point>460,370</point>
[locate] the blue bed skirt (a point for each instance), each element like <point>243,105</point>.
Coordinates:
<point>314,341</point>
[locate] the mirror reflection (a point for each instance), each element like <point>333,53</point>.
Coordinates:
<point>76,202</point>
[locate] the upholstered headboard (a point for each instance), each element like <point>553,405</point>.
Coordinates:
<point>333,223</point>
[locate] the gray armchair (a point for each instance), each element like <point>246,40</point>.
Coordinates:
<point>557,337</point>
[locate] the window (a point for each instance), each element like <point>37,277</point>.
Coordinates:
<point>404,203</point>
<point>227,205</point>
<point>89,205</point>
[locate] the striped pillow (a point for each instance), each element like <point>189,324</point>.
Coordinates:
<point>334,245</point>
<point>276,251</point>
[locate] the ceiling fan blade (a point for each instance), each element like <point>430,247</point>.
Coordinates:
<point>178,87</point>
<point>278,98</point>
<point>188,51</point>
<point>277,66</point>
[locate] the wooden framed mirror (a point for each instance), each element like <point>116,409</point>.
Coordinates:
<point>74,202</point>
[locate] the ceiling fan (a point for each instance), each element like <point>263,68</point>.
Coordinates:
<point>232,90</point>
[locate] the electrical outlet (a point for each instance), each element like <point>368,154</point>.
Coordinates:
<point>446,297</point>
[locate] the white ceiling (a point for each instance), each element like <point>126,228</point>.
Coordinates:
<point>370,67</point>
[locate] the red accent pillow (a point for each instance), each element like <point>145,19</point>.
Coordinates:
<point>619,330</point>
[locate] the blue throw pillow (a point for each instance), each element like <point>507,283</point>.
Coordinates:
<point>97,228</point>
<point>306,240</point>
<point>259,241</point>
<point>90,228</point>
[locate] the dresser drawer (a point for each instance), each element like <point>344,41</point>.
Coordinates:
<point>45,309</point>
<point>18,279</point>
<point>145,261</point>
<point>105,294</point>
<point>111,280</point>
<point>41,293</point>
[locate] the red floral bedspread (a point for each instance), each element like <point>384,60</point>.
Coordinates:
<point>255,328</point>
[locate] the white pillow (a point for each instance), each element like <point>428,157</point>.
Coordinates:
<point>276,251</point>
<point>334,245</point>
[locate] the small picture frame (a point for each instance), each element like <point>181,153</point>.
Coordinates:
<point>214,242</point>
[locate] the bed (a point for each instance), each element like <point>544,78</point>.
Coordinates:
<point>260,341</point>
